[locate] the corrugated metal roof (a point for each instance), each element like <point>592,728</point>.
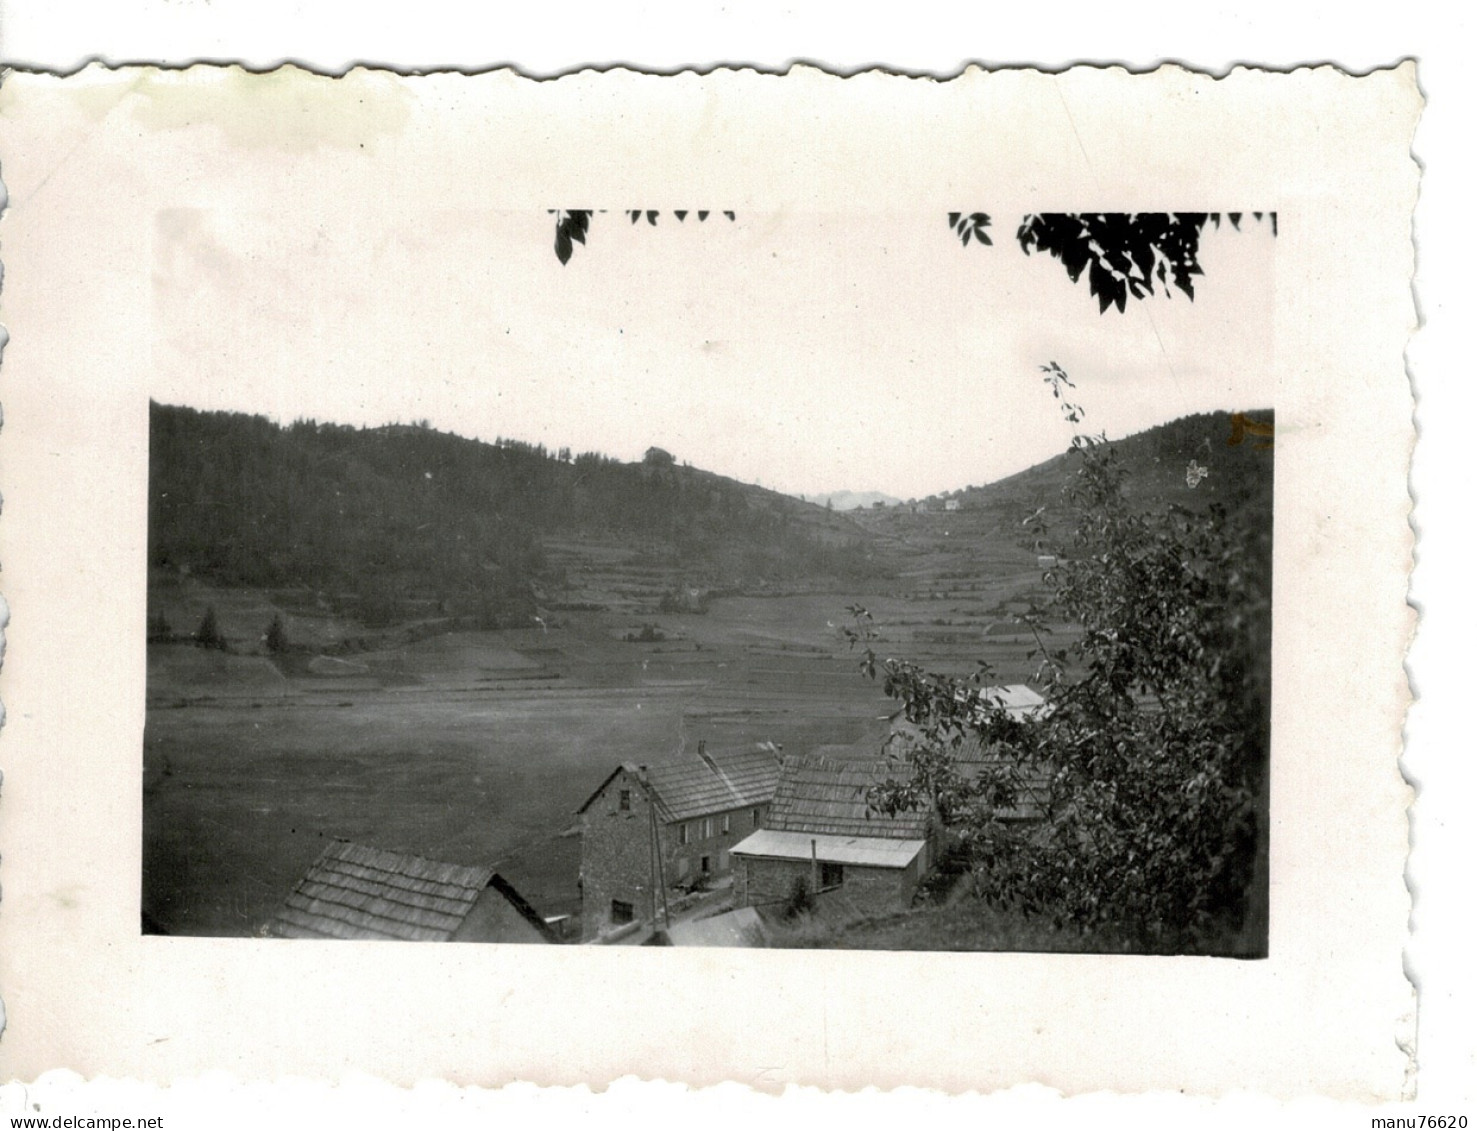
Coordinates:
<point>829,795</point>
<point>876,852</point>
<point>353,891</point>
<point>1016,698</point>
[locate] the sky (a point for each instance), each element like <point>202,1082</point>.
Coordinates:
<point>805,352</point>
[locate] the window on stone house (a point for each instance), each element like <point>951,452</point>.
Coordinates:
<point>758,815</point>
<point>832,875</point>
<point>621,912</point>
<point>625,803</point>
<point>682,834</point>
<point>724,823</point>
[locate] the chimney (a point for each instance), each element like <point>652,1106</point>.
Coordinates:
<point>702,752</point>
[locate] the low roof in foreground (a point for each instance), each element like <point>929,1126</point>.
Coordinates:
<point>353,891</point>
<point>739,927</point>
<point>873,852</point>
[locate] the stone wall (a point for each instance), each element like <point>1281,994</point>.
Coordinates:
<point>760,881</point>
<point>615,852</point>
<point>615,856</point>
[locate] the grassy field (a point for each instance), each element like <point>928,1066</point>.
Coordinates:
<point>477,747</point>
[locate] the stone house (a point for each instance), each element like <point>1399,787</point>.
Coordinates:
<point>651,833</point>
<point>822,833</point>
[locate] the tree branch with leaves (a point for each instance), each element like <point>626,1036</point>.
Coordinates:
<point>1153,745</point>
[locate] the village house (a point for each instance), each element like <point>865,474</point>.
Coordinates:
<point>822,834</point>
<point>651,832</point>
<point>353,891</point>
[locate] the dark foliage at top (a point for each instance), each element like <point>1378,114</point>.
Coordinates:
<point>572,225</point>
<point>1125,254</point>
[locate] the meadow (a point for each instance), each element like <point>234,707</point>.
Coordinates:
<point>478,746</point>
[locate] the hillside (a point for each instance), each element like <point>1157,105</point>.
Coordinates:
<point>404,524</point>
<point>392,522</point>
<point>971,556</point>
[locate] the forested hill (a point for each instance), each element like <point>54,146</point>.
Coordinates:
<point>1232,468</point>
<point>406,511</point>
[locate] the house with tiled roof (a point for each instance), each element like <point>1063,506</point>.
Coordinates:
<point>822,833</point>
<point>353,891</point>
<point>650,833</point>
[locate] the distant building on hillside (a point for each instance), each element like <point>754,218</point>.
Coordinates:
<point>353,891</point>
<point>648,832</point>
<point>951,504</point>
<point>822,834</point>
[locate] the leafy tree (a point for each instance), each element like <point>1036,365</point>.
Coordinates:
<point>572,225</point>
<point>1123,253</point>
<point>208,635</point>
<point>1146,767</point>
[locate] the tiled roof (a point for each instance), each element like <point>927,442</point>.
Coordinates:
<point>713,783</point>
<point>818,794</point>
<point>353,891</point>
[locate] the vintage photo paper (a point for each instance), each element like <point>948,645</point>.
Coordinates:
<point>851,582</point>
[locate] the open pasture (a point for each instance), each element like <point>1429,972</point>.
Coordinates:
<point>477,747</point>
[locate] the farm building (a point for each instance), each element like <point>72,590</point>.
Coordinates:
<point>355,892</point>
<point>649,829</point>
<point>1019,701</point>
<point>822,833</point>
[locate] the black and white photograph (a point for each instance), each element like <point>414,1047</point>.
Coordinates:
<point>710,578</point>
<point>856,582</point>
